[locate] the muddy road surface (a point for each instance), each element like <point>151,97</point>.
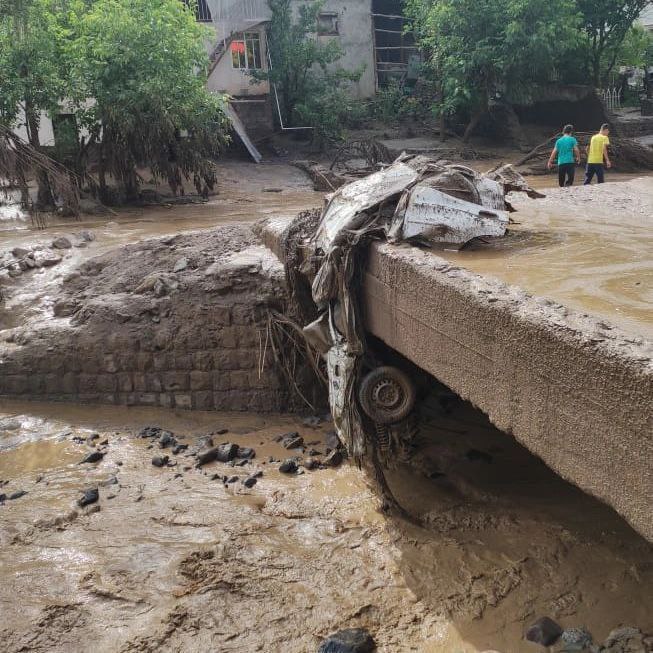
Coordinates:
<point>175,559</point>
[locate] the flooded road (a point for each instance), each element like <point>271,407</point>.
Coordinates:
<point>175,559</point>
<point>589,248</point>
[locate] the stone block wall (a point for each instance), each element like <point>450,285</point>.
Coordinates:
<point>197,340</point>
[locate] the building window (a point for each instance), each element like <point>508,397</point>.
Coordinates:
<point>246,51</point>
<point>327,24</point>
<point>202,11</point>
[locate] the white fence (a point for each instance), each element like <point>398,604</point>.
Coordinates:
<point>610,97</point>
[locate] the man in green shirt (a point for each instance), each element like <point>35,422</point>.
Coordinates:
<point>567,154</point>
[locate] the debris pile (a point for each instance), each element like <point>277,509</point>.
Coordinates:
<point>414,199</point>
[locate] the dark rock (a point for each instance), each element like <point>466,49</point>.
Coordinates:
<point>20,252</point>
<point>3,498</point>
<point>245,452</point>
<point>288,466</point>
<point>222,431</point>
<point>311,463</point>
<point>92,436</point>
<point>334,459</point>
<point>350,640</point>
<point>152,432</point>
<point>222,453</point>
<point>93,457</point>
<point>178,448</point>
<point>206,457</point>
<point>242,463</point>
<point>88,497</point>
<point>292,441</point>
<point>258,474</point>
<point>167,440</point>
<point>17,495</point>
<point>250,481</point>
<point>576,639</point>
<point>315,452</point>
<point>111,496</point>
<point>160,461</point>
<point>61,243</point>
<point>119,463</point>
<point>104,443</point>
<point>205,441</point>
<point>544,632</point>
<point>227,452</point>
<point>232,479</point>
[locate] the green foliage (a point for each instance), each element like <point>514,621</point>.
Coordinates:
<point>485,50</point>
<point>32,66</point>
<point>311,86</point>
<point>605,25</point>
<point>143,62</point>
<point>132,71</point>
<point>636,49</point>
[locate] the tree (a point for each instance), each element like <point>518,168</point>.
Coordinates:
<point>636,49</point>
<point>309,83</point>
<point>144,63</point>
<point>606,23</point>
<point>32,78</point>
<point>485,51</point>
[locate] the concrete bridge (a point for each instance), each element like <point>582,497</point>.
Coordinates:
<point>575,391</point>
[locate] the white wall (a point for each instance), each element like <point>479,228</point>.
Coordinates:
<point>46,133</point>
<point>356,36</point>
<point>646,17</point>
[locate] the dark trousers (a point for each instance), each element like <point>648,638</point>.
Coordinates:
<point>566,173</point>
<point>591,170</point>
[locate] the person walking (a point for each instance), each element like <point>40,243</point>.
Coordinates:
<point>567,154</point>
<point>597,156</point>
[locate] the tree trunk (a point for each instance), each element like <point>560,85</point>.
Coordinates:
<point>103,191</point>
<point>44,195</point>
<point>473,123</point>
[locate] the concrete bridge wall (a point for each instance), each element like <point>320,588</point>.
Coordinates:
<point>573,390</point>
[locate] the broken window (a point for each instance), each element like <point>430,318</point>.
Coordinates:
<point>246,51</point>
<point>327,24</point>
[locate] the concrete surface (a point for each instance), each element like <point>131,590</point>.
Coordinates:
<point>575,391</point>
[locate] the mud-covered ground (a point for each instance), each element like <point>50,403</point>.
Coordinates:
<point>174,559</point>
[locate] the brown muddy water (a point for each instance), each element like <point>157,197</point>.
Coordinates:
<point>588,247</point>
<point>175,560</point>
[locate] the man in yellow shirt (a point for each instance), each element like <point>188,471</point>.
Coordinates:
<point>597,154</point>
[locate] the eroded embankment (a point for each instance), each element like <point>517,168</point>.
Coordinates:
<point>178,321</point>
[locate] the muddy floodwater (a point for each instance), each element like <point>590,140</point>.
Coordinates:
<point>587,247</point>
<point>175,559</point>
